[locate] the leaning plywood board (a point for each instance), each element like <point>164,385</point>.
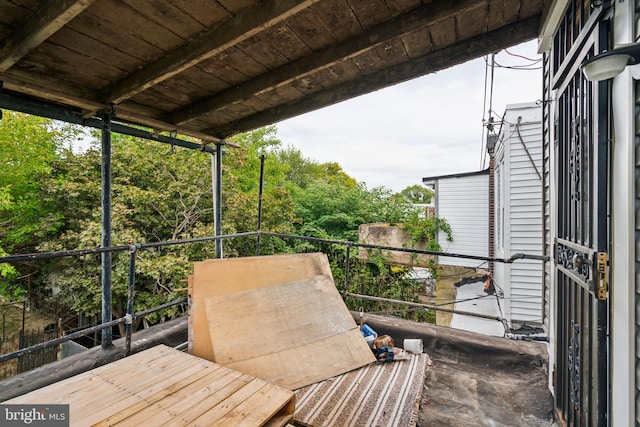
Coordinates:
<point>296,333</point>
<point>217,277</point>
<point>298,367</point>
<point>284,316</point>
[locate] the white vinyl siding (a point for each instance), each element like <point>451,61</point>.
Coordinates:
<point>464,202</point>
<point>499,209</point>
<point>522,218</point>
<point>547,135</point>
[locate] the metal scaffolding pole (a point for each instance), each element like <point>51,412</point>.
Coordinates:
<point>106,228</point>
<point>262,157</point>
<point>217,197</point>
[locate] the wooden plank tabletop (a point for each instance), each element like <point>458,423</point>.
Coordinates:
<point>162,386</point>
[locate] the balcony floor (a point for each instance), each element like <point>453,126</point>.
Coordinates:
<point>477,380</point>
<point>473,380</point>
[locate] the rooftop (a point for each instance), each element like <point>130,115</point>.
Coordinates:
<point>473,379</point>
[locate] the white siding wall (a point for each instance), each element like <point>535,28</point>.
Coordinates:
<point>501,227</point>
<point>464,202</point>
<point>522,285</point>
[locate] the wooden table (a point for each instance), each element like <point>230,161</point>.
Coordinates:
<point>165,387</point>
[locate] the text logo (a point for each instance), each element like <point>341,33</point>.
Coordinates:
<point>34,415</point>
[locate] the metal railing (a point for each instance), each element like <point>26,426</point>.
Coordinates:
<point>130,316</point>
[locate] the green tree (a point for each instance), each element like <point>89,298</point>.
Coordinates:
<point>241,183</point>
<point>417,194</point>
<point>7,271</point>
<point>302,171</point>
<point>335,210</point>
<point>28,146</point>
<point>162,193</point>
<point>158,194</point>
<point>424,230</point>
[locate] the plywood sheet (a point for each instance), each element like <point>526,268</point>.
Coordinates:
<point>291,334</point>
<point>282,316</point>
<point>297,367</point>
<point>162,386</point>
<point>217,277</point>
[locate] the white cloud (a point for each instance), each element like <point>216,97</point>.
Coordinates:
<point>425,127</point>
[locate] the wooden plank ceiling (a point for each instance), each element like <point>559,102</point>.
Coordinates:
<point>213,68</point>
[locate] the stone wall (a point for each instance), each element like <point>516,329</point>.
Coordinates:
<point>394,236</point>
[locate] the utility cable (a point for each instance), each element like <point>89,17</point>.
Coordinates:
<point>525,148</point>
<point>530,67</point>
<point>490,121</point>
<point>484,106</point>
<point>521,56</point>
<point>493,63</point>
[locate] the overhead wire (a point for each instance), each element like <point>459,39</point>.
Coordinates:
<point>484,105</point>
<point>442,304</point>
<point>530,67</point>
<point>488,123</point>
<point>493,63</point>
<point>519,68</point>
<point>521,56</point>
<point>500,294</point>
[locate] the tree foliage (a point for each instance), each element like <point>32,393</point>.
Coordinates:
<point>158,194</point>
<point>301,171</point>
<point>417,194</point>
<point>28,148</point>
<point>51,202</point>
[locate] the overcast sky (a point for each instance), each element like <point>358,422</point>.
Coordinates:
<point>426,127</point>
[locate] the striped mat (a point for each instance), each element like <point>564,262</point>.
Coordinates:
<point>385,394</point>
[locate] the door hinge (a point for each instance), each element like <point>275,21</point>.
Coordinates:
<point>602,274</point>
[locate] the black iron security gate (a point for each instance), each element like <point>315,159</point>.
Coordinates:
<point>582,135</point>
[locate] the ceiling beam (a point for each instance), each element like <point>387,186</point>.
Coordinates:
<point>50,16</point>
<point>57,112</point>
<point>245,25</point>
<point>414,20</point>
<point>89,107</point>
<point>463,51</point>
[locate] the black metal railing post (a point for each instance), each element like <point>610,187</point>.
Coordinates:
<point>128,324</point>
<point>218,200</point>
<point>261,188</point>
<point>347,264</point>
<point>106,227</point>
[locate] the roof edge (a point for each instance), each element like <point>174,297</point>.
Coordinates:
<point>455,175</point>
